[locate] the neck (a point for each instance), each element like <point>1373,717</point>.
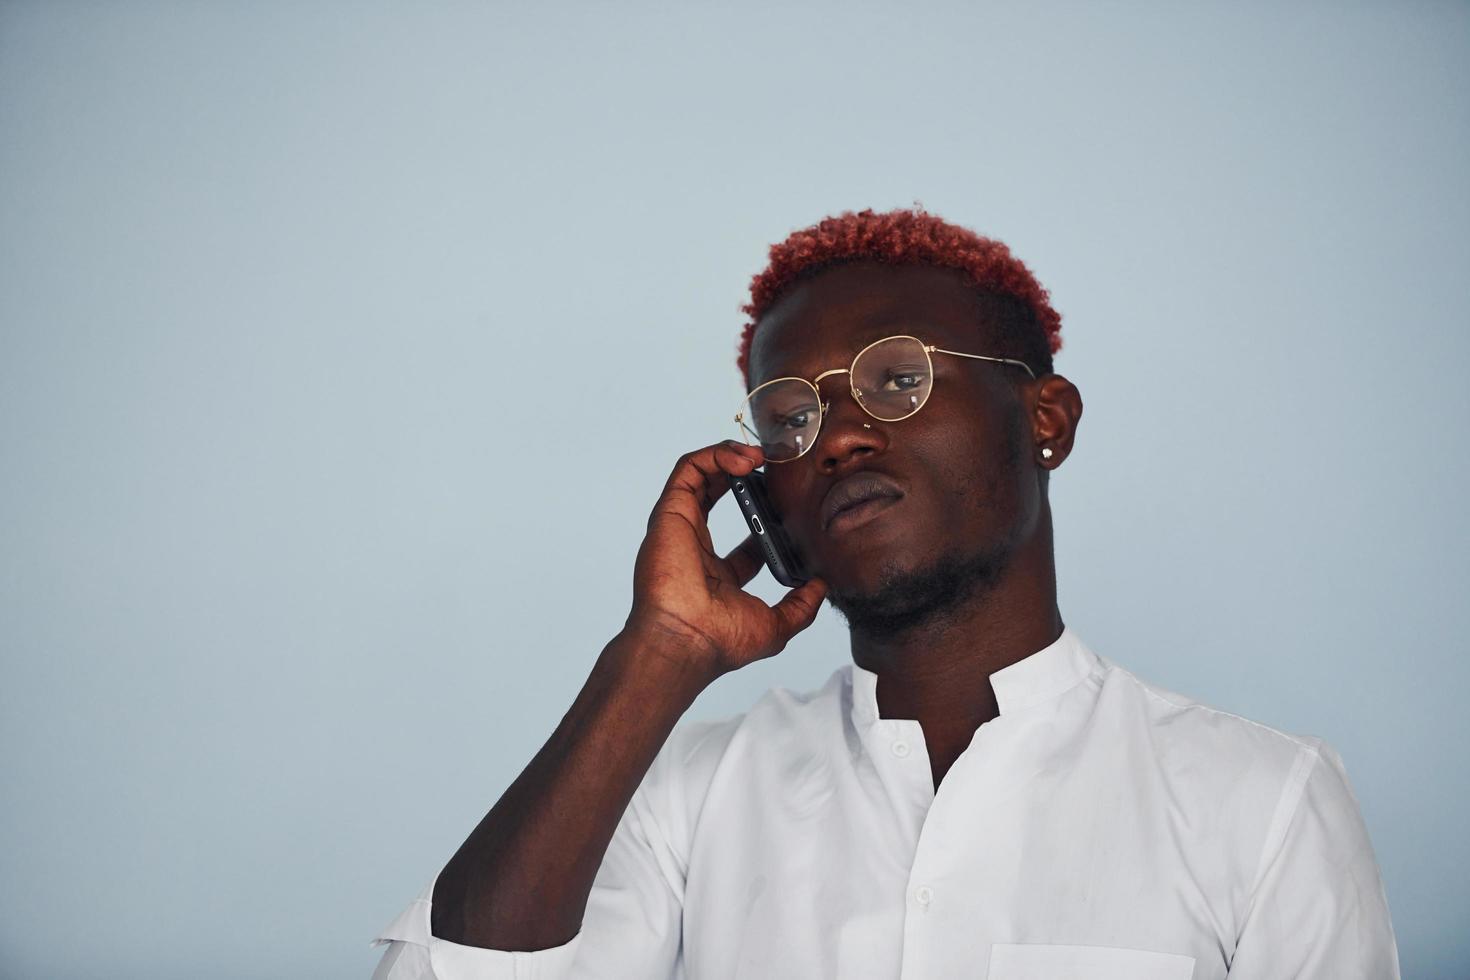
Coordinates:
<point>938,671</point>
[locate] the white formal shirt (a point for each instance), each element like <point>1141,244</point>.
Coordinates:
<point>1099,828</point>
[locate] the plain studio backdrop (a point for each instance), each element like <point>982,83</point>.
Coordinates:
<point>346,348</point>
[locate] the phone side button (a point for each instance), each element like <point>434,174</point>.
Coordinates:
<point>756,522</point>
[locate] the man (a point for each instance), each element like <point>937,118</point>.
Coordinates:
<point>978,794</point>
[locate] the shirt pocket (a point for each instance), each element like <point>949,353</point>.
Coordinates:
<point>1042,961</point>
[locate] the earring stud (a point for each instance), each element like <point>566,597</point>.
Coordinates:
<point>1046,452</point>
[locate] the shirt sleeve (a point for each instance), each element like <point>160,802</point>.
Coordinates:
<point>633,925</point>
<point>1318,911</point>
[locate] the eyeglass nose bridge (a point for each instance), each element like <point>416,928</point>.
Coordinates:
<point>817,384</point>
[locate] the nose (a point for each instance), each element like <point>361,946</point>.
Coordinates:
<point>847,433</point>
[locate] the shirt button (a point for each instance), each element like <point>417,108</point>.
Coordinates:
<point>900,748</point>
<point>923,895</point>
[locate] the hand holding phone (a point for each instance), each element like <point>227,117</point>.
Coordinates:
<point>685,591</point>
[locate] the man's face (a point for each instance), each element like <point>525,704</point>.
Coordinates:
<point>971,492</point>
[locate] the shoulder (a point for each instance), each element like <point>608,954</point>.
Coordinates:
<point>779,713</point>
<point>1269,813</point>
<point>696,751</point>
<point>1193,731</point>
<point>1228,769</point>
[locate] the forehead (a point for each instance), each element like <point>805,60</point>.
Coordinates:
<point>822,322</point>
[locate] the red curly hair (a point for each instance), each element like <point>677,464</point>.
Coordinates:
<point>912,237</point>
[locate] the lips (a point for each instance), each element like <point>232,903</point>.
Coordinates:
<point>853,491</point>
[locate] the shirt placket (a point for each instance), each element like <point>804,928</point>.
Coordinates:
<point>901,757</point>
<point>948,831</point>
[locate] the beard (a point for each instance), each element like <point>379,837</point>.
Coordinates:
<point>906,600</point>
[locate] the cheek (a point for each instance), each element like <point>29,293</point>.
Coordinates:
<point>783,490</point>
<point>976,466</point>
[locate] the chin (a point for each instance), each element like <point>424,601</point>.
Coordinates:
<point>900,595</point>
<point>863,578</point>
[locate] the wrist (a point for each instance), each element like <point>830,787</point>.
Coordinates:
<point>667,658</point>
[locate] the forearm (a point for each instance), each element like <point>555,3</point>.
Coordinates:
<point>522,878</point>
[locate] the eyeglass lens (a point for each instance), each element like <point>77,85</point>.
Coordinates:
<point>892,379</point>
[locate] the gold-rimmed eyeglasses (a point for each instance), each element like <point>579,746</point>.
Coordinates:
<point>890,378</point>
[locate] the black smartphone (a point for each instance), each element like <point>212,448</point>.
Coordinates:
<point>781,558</point>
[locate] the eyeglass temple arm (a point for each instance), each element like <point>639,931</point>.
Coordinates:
<point>980,357</point>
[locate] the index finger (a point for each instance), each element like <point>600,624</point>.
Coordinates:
<point>701,478</point>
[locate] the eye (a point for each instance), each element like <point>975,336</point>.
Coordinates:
<point>796,417</point>
<point>796,420</point>
<point>905,380</point>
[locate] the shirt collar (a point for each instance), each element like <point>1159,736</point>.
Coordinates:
<point>1041,676</point>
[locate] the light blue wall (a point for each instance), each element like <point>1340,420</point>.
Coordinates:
<point>343,351</point>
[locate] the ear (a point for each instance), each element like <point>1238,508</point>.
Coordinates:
<point>1056,408</point>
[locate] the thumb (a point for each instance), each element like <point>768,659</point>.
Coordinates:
<point>796,611</point>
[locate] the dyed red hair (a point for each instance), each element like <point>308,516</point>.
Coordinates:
<point>908,237</point>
